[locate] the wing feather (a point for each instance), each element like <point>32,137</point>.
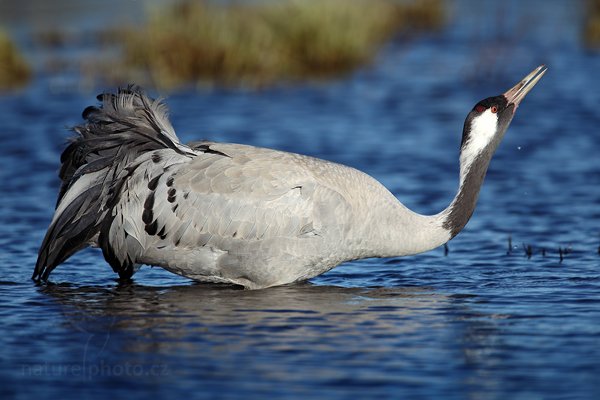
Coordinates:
<point>233,196</point>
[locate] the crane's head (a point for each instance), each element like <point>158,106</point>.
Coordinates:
<point>487,122</point>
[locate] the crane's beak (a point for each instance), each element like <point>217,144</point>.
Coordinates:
<point>518,92</point>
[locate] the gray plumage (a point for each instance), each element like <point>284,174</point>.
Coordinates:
<point>221,212</point>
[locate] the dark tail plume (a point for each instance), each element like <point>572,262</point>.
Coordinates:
<point>95,165</point>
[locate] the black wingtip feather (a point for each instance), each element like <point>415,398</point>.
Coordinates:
<point>89,110</point>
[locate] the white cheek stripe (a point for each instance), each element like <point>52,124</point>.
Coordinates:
<point>483,128</point>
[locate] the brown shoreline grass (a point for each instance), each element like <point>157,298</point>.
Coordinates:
<point>267,42</point>
<point>14,71</point>
<point>591,32</point>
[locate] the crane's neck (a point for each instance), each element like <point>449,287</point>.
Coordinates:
<point>472,173</point>
<point>407,232</point>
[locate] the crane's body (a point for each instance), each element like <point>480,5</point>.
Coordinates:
<point>239,214</point>
<point>255,217</point>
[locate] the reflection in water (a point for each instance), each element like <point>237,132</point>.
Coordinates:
<point>179,310</point>
<point>330,336</point>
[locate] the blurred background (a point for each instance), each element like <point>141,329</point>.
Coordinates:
<point>170,45</point>
<point>512,310</point>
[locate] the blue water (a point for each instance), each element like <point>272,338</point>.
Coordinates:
<point>479,322</point>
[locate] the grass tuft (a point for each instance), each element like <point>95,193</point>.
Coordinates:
<point>265,42</point>
<point>14,71</point>
<point>591,32</point>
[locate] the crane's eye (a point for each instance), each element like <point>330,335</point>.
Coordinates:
<point>494,109</point>
<point>479,108</point>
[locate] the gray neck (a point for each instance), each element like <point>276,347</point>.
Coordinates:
<point>458,213</point>
<point>396,231</point>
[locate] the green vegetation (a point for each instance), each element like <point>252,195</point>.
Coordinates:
<point>592,24</point>
<point>14,71</point>
<point>269,41</point>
